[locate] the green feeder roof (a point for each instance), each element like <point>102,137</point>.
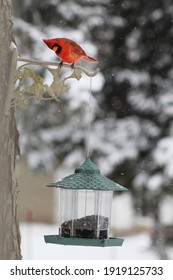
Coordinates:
<point>88,177</point>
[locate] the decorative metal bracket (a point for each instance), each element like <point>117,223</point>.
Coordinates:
<point>20,90</point>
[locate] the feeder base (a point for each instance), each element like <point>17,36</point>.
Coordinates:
<point>57,239</point>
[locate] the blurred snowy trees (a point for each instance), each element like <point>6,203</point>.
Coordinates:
<point>132,105</point>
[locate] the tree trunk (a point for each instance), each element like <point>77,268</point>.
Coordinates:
<point>160,242</point>
<point>9,228</point>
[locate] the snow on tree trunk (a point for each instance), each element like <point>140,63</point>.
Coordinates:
<point>9,228</point>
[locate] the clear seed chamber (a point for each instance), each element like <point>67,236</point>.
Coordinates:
<point>85,213</point>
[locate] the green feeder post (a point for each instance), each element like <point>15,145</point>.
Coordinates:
<point>85,200</point>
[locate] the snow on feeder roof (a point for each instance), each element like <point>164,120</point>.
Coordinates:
<point>87,176</point>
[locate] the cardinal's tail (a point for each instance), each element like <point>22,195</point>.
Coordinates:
<point>90,59</point>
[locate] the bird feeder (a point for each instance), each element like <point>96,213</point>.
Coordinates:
<point>85,200</point>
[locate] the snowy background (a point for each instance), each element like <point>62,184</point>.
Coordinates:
<point>132,101</point>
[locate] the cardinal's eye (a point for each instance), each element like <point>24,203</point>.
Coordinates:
<point>56,48</point>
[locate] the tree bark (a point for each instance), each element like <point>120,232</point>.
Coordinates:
<point>9,228</point>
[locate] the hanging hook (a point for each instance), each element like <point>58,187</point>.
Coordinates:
<point>89,120</point>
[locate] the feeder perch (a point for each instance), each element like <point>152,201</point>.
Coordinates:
<point>85,200</point>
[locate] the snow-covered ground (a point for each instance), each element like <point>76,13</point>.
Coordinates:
<point>135,247</point>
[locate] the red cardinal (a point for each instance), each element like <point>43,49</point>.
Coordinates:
<point>68,50</point>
